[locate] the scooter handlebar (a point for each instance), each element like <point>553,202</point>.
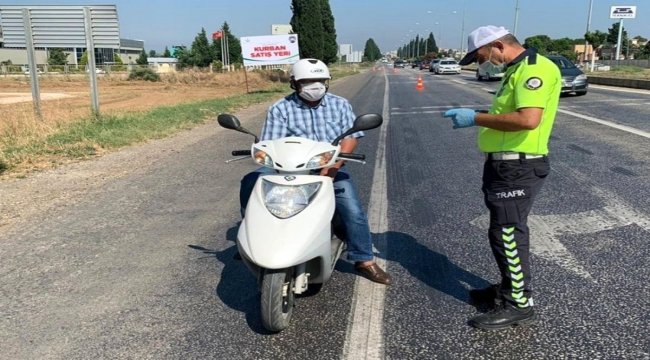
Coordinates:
<point>241,153</point>
<point>351,156</point>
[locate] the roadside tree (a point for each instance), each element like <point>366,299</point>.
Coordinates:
<point>330,46</point>
<point>307,23</point>
<point>371,51</point>
<point>142,59</point>
<point>57,57</point>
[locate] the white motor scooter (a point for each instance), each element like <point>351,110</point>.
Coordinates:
<point>286,237</point>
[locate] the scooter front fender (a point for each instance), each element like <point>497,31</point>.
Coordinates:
<point>274,243</point>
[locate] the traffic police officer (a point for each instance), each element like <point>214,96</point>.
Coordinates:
<point>514,136</point>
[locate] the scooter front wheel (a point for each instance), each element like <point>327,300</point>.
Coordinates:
<point>277,298</point>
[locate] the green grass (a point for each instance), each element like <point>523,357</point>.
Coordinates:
<point>82,139</point>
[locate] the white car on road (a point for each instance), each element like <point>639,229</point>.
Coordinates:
<point>482,75</point>
<point>447,66</point>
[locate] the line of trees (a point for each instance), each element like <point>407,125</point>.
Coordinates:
<point>608,40</point>
<point>202,53</point>
<point>419,48</point>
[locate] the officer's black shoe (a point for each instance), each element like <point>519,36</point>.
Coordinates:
<point>486,295</point>
<point>504,316</point>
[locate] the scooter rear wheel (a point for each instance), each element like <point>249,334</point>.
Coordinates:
<point>277,299</point>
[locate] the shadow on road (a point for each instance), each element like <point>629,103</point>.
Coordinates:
<point>237,287</point>
<point>432,268</point>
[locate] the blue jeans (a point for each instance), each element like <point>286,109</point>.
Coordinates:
<point>348,207</point>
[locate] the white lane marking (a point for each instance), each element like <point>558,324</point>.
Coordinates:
<point>547,230</point>
<point>460,82</point>
<point>364,337</point>
<point>625,128</point>
<point>544,242</point>
<point>489,90</point>
<point>611,88</point>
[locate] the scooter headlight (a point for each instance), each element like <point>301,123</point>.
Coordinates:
<point>320,160</point>
<point>285,201</point>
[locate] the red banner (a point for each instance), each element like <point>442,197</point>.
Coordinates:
<point>217,35</point>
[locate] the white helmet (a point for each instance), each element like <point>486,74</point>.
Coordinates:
<point>310,69</point>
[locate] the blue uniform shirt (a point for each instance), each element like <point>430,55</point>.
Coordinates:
<point>292,117</point>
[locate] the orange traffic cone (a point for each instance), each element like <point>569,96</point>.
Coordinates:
<point>420,85</point>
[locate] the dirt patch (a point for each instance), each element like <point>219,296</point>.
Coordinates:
<point>67,98</point>
<point>13,98</point>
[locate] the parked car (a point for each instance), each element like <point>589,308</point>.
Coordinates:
<point>399,63</point>
<point>573,79</point>
<point>38,71</point>
<point>415,64</point>
<point>482,75</point>
<point>424,65</point>
<point>432,64</point>
<point>447,66</point>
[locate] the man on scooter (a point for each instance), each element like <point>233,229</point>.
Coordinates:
<point>311,112</point>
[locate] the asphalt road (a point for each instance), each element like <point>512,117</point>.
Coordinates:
<point>143,267</point>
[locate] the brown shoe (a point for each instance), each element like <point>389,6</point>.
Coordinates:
<point>373,273</point>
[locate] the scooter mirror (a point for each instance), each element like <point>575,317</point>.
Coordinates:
<point>363,122</point>
<point>229,121</point>
<point>367,122</point>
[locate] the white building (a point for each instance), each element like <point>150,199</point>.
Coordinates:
<point>345,52</point>
<point>281,29</point>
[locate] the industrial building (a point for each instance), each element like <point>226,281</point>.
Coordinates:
<point>62,26</point>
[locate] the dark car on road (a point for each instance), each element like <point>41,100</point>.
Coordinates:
<point>573,79</point>
<point>399,63</point>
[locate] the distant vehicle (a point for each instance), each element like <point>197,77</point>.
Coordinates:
<point>483,75</point>
<point>415,64</point>
<point>432,64</point>
<point>447,66</point>
<point>38,71</point>
<point>424,65</point>
<point>573,79</point>
<point>399,63</point>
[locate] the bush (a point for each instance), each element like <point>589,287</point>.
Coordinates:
<point>144,74</point>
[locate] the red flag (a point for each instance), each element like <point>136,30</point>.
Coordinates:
<point>217,35</point>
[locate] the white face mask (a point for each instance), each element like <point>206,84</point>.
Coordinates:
<point>313,92</point>
<point>491,68</point>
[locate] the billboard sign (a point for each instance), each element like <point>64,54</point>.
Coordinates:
<point>270,49</point>
<point>622,12</point>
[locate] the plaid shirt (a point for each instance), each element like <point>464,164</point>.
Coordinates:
<point>292,117</point>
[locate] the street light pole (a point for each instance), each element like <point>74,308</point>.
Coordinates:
<point>462,31</point>
<point>591,5</point>
<point>516,18</point>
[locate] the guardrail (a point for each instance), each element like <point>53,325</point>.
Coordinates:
<point>628,83</point>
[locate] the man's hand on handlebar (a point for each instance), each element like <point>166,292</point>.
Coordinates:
<point>332,170</point>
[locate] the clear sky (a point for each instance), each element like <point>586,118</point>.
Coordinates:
<point>388,22</point>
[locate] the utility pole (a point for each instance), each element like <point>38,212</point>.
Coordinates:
<point>462,31</point>
<point>516,18</point>
<point>591,6</point>
<point>618,43</point>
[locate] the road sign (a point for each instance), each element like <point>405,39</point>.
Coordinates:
<point>270,49</point>
<point>622,12</point>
